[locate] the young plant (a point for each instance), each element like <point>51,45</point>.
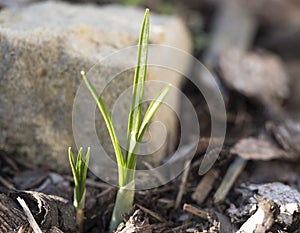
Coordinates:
<point>136,127</point>
<point>79,170</point>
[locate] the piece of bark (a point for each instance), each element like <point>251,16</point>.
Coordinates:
<point>263,218</point>
<point>12,217</point>
<point>137,223</point>
<point>287,199</point>
<point>275,205</point>
<point>29,215</point>
<point>49,211</point>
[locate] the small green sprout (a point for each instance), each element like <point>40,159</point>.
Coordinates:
<point>136,126</point>
<point>79,170</point>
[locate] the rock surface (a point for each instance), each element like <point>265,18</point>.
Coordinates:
<point>43,48</point>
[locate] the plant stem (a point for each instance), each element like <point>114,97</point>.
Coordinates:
<point>80,219</point>
<point>123,204</point>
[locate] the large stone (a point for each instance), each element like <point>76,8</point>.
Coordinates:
<point>44,46</point>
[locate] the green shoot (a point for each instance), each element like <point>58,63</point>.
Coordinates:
<point>134,119</point>
<point>79,170</point>
<point>136,126</point>
<point>109,124</point>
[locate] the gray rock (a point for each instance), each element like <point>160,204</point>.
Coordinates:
<point>43,48</point>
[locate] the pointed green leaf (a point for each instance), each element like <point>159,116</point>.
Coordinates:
<point>154,105</point>
<point>107,118</point>
<point>84,172</point>
<point>73,166</point>
<point>79,164</point>
<point>86,163</point>
<point>138,82</point>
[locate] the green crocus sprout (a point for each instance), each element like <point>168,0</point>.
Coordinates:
<point>136,126</point>
<point>79,171</point>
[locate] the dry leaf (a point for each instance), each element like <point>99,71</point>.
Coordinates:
<point>256,75</point>
<point>257,149</point>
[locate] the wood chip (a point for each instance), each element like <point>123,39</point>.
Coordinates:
<point>136,223</point>
<point>205,185</point>
<point>267,204</point>
<point>287,199</point>
<point>196,211</point>
<point>263,218</point>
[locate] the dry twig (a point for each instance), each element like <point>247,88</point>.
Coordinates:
<point>151,213</point>
<point>205,185</point>
<point>232,173</point>
<point>196,211</point>
<point>183,184</point>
